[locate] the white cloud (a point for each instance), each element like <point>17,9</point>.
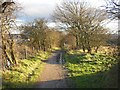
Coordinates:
<point>41,8</point>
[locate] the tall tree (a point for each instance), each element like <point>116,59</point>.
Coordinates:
<point>82,21</point>
<point>41,36</point>
<point>7,18</point>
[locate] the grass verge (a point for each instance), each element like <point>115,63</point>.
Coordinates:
<point>26,73</point>
<point>91,70</point>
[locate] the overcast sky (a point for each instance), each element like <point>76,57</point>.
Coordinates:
<point>44,8</point>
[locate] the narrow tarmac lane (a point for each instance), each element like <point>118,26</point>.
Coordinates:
<point>53,75</point>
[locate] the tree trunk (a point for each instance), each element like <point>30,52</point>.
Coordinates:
<point>77,42</point>
<point>4,50</point>
<point>39,45</point>
<point>6,55</point>
<point>12,53</point>
<point>89,50</point>
<point>89,47</point>
<point>44,48</point>
<point>13,57</point>
<point>25,52</point>
<point>83,47</point>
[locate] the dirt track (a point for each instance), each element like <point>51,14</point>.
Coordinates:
<point>53,75</point>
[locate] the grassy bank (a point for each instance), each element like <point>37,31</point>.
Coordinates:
<point>91,71</point>
<point>26,73</point>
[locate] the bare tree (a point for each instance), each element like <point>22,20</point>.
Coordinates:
<point>7,18</point>
<point>113,8</point>
<point>81,21</point>
<point>41,36</point>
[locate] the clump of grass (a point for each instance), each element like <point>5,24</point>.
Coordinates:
<point>43,55</point>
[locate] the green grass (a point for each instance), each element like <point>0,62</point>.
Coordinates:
<point>26,73</point>
<point>89,71</point>
<point>43,55</point>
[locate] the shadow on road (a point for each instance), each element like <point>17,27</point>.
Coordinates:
<point>59,83</point>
